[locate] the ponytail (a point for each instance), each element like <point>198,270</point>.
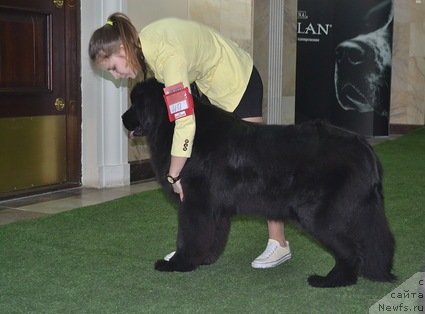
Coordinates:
<point>117,31</point>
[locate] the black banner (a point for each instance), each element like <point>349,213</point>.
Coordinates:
<point>344,63</point>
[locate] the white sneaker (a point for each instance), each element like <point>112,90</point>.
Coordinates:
<point>169,256</point>
<point>273,255</point>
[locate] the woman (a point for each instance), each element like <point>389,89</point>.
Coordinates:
<point>179,51</point>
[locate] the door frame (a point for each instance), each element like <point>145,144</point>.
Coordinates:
<point>73,90</point>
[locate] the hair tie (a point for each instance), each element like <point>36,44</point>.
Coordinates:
<point>109,22</point>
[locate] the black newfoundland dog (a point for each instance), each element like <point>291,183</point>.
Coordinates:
<point>327,180</point>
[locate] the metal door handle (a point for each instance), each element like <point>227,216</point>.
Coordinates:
<point>58,3</point>
<point>59,104</point>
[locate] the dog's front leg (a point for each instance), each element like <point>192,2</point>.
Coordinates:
<point>195,237</point>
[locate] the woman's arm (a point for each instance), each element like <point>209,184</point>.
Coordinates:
<point>176,165</point>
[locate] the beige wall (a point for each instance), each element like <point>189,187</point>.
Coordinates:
<point>145,12</point>
<point>408,72</point>
<point>232,18</point>
<point>289,61</point>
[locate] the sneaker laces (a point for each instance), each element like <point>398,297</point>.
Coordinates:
<point>270,249</point>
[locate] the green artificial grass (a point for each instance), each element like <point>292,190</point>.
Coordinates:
<point>99,259</point>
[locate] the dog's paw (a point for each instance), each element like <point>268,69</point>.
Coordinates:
<point>163,265</point>
<point>173,265</point>
<point>330,282</point>
<point>317,281</point>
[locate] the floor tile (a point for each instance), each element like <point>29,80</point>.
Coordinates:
<point>60,201</point>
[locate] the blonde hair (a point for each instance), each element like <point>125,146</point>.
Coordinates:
<point>107,40</point>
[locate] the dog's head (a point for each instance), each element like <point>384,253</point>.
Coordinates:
<point>147,110</point>
<point>362,69</point>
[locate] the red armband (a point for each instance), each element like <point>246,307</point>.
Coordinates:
<point>179,101</point>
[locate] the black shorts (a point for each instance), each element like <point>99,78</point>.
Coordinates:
<point>251,101</point>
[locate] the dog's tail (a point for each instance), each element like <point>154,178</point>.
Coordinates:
<point>378,244</point>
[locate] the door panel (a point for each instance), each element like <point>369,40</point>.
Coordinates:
<point>39,95</point>
<point>31,73</point>
<point>31,59</point>
<point>38,157</point>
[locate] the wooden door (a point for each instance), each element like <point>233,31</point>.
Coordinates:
<point>40,106</point>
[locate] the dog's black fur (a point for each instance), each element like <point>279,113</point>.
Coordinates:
<point>328,180</point>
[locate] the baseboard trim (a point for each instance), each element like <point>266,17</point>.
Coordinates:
<point>403,128</point>
<point>141,170</point>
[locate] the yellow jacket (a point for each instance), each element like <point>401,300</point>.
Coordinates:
<point>185,51</point>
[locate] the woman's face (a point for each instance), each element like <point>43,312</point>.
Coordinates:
<point>117,65</point>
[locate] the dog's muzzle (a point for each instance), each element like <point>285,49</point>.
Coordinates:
<point>129,119</point>
<point>138,131</point>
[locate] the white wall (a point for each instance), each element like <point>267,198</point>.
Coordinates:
<point>104,142</point>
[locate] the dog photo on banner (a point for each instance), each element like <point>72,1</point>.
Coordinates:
<point>344,51</point>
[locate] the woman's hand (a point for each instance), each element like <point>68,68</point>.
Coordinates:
<point>176,165</point>
<point>177,188</point>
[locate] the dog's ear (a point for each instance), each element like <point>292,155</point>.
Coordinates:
<point>137,93</point>
<point>129,119</point>
<point>145,112</point>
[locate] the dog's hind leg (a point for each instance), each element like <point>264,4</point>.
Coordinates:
<point>377,247</point>
<point>345,271</point>
<point>222,228</point>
